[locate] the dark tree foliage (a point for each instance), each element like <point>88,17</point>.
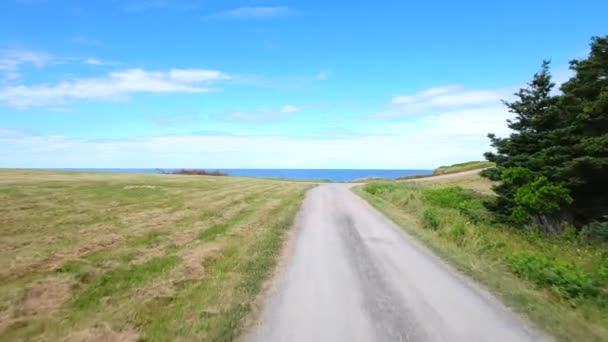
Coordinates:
<point>585,104</point>
<point>557,154</point>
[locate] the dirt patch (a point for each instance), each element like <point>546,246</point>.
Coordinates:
<point>147,254</point>
<point>44,297</point>
<point>193,260</point>
<point>161,290</point>
<point>54,261</point>
<point>107,241</point>
<point>151,219</point>
<point>104,333</point>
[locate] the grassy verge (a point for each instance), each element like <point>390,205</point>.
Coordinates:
<point>559,283</point>
<point>473,182</point>
<point>87,256</point>
<point>473,165</point>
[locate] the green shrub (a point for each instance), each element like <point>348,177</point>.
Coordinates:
<point>595,231</point>
<point>474,210</point>
<point>380,187</point>
<point>457,232</point>
<point>446,197</point>
<point>457,198</point>
<point>547,272</point>
<point>431,219</point>
<point>539,198</point>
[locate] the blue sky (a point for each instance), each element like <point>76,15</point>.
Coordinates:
<point>265,84</point>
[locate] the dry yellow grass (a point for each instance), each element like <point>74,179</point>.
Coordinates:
<point>90,256</point>
<point>471,182</point>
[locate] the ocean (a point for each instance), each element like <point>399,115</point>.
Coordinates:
<point>333,175</point>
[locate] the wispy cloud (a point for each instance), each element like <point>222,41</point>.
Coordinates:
<point>12,60</point>
<point>450,97</point>
<point>289,109</point>
<point>244,13</point>
<point>285,82</point>
<point>116,85</point>
<point>219,150</point>
<point>260,115</point>
<point>98,62</point>
<point>322,75</point>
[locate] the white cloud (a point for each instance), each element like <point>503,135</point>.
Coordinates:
<point>98,62</point>
<point>261,115</point>
<point>448,137</point>
<point>254,13</point>
<point>322,75</point>
<point>196,75</point>
<point>12,60</point>
<point>93,61</point>
<point>116,85</point>
<point>289,109</point>
<point>560,76</point>
<point>423,148</point>
<point>441,98</point>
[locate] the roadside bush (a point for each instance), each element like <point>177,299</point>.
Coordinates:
<point>457,198</point>
<point>431,220</point>
<point>457,232</point>
<point>540,202</point>
<point>595,231</point>
<point>446,197</point>
<point>475,211</point>
<point>380,187</point>
<point>547,272</point>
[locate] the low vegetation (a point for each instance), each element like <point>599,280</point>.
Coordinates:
<point>560,282</point>
<point>197,172</point>
<point>413,177</point>
<point>128,257</point>
<point>456,168</point>
<point>472,165</point>
<point>467,181</point>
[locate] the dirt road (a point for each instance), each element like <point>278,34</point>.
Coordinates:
<point>445,176</point>
<point>352,275</point>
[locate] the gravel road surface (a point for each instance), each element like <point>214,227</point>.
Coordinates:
<point>353,275</point>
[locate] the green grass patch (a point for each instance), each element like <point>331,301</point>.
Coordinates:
<point>117,281</point>
<point>460,167</point>
<point>122,250</point>
<point>544,271</point>
<point>245,263</point>
<point>149,239</point>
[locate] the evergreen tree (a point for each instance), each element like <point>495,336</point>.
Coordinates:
<point>585,105</point>
<point>553,167</point>
<point>534,120</point>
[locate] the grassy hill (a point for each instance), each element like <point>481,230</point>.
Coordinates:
<point>472,165</point>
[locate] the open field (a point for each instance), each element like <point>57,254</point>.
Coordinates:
<point>451,170</point>
<point>472,165</point>
<point>469,180</point>
<point>86,256</point>
<point>560,283</point>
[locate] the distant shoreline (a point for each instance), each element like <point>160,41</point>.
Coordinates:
<point>334,175</point>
